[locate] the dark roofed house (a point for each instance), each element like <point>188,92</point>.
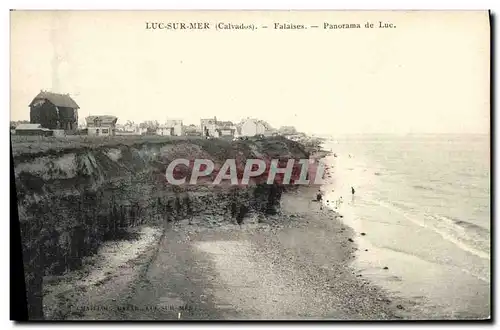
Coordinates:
<point>225,124</point>
<point>54,111</point>
<point>192,130</point>
<point>226,129</point>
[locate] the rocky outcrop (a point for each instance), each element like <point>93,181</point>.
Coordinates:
<point>72,200</point>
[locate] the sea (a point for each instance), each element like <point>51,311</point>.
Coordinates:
<point>422,215</point>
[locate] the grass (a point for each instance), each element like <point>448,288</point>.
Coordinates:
<point>26,145</point>
<point>40,144</point>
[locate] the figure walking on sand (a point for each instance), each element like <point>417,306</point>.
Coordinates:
<point>319,196</point>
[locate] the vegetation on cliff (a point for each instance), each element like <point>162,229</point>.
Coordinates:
<point>74,196</point>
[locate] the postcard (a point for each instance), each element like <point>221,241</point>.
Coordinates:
<point>252,165</point>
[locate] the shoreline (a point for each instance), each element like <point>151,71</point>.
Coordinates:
<point>442,289</point>
<point>306,249</point>
<point>256,270</point>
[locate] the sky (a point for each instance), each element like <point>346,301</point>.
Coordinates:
<point>430,74</point>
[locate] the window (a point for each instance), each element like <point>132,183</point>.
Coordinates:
<point>105,131</point>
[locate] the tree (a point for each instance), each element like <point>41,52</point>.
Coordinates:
<point>150,124</point>
<point>14,124</point>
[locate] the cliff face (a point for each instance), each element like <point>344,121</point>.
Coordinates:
<point>72,200</point>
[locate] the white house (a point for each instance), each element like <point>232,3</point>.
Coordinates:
<point>165,130</point>
<point>209,126</point>
<point>226,128</point>
<point>176,125</point>
<point>226,132</point>
<point>101,125</point>
<point>130,127</point>
<point>251,127</point>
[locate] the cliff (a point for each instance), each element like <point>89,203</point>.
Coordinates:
<point>72,197</point>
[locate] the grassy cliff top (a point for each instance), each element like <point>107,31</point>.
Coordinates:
<point>34,146</point>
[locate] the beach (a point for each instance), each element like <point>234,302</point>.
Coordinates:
<point>348,260</point>
<point>423,204</point>
<point>294,266</point>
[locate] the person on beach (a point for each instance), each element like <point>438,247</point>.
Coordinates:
<point>352,190</point>
<point>319,196</point>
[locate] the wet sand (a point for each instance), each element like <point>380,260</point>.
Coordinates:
<point>436,279</point>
